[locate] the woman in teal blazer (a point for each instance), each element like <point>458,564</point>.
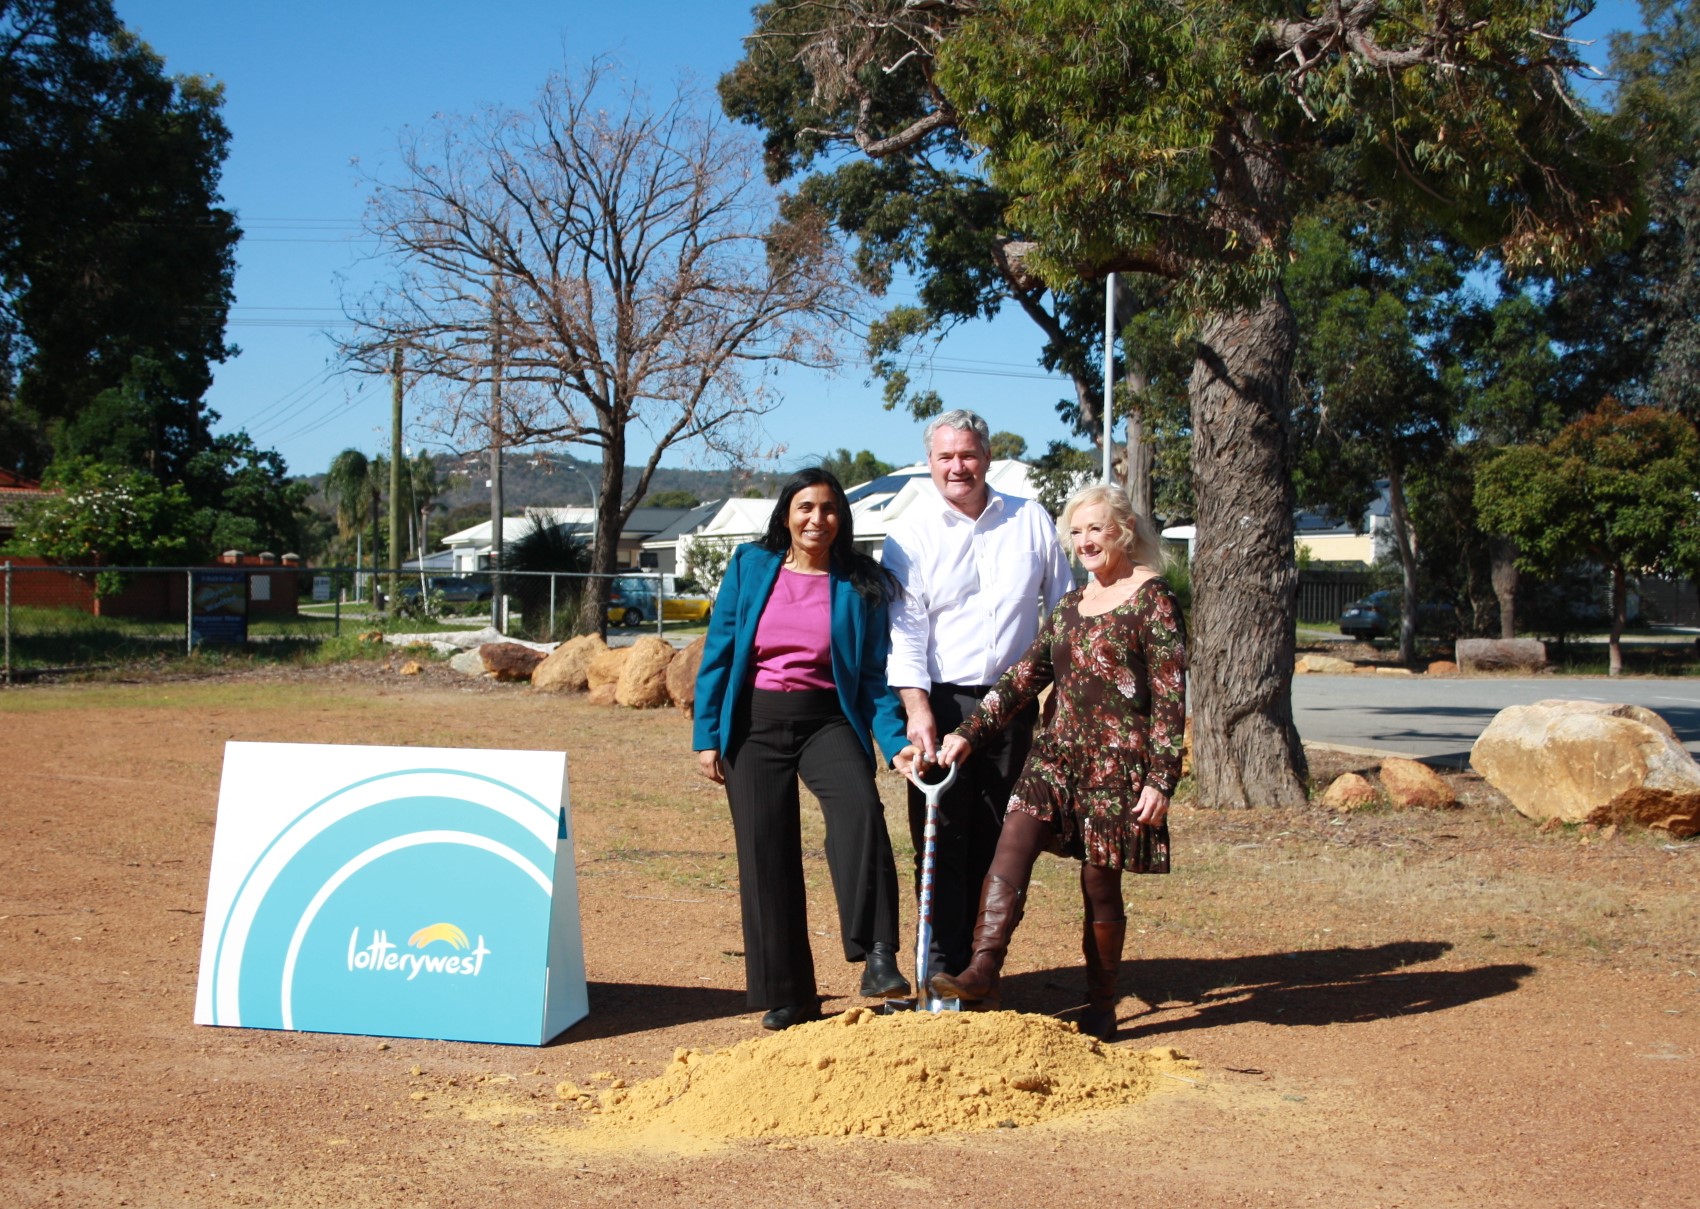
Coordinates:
<point>792,684</point>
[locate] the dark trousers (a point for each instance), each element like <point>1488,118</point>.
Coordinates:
<point>970,817</point>
<point>779,737</point>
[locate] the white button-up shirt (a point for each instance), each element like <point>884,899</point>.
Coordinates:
<point>974,590</point>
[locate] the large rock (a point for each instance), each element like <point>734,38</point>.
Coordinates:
<point>1323,665</point>
<point>601,694</point>
<point>1500,655</point>
<point>643,679</point>
<point>467,663</point>
<point>1442,667</point>
<point>509,660</point>
<point>567,669</point>
<point>605,668</point>
<point>1412,785</point>
<point>682,676</point>
<point>1588,761</point>
<point>1677,813</point>
<point>1349,792</point>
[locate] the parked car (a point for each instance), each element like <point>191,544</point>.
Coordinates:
<point>1377,616</point>
<point>633,602</point>
<point>454,589</point>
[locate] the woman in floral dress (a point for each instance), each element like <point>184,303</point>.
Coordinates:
<point>1097,783</point>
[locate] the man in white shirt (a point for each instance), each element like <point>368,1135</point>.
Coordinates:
<point>979,570</point>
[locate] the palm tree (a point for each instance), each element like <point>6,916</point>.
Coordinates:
<point>355,487</point>
<point>424,486</point>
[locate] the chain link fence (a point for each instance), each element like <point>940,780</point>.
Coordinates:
<point>68,618</point>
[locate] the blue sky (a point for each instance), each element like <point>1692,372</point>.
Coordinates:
<point>316,94</point>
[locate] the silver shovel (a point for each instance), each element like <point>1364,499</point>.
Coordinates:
<point>924,997</point>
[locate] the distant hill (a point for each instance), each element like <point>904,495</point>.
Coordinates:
<point>559,482</point>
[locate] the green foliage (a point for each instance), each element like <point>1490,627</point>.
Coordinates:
<point>1117,128</point>
<point>1061,471</point>
<point>854,469</point>
<point>705,562</point>
<point>1632,322</point>
<point>116,258</point>
<point>244,498</point>
<point>670,499</point>
<point>1008,445</point>
<point>1616,487</point>
<point>105,515</point>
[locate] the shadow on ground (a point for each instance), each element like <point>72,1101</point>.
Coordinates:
<point>620,1008</point>
<point>1307,987</point>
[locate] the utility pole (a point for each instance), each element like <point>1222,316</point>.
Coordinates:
<point>1109,370</point>
<point>496,457</point>
<point>396,467</point>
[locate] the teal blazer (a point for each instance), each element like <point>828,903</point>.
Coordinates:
<point>860,640</point>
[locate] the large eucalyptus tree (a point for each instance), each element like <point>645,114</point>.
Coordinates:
<point>1181,139</point>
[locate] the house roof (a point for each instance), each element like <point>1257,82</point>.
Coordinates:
<point>873,505</point>
<point>16,491</point>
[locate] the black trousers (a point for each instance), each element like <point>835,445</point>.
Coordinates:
<point>777,738</point>
<point>970,818</point>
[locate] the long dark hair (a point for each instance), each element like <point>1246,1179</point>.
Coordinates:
<point>871,581</point>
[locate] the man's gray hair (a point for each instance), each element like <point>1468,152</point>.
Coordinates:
<point>962,420</point>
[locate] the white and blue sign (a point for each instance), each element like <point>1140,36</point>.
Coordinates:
<point>393,891</point>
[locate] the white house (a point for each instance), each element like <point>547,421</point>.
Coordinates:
<point>874,506</point>
<point>471,547</point>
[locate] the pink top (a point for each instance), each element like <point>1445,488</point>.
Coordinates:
<point>793,647</point>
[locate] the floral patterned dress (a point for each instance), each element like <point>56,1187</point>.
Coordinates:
<point>1118,724</point>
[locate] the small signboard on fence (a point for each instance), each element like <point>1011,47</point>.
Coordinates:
<point>393,891</point>
<point>219,612</point>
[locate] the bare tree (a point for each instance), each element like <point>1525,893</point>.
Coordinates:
<point>608,263</point>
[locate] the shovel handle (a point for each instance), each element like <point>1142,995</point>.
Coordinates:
<point>934,789</point>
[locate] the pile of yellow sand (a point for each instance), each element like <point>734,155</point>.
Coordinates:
<point>886,1076</point>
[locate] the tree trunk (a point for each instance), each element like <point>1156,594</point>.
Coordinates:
<point>1410,611</point>
<point>605,548</point>
<point>1244,579</point>
<point>1619,602</point>
<point>1503,552</point>
<point>1141,453</point>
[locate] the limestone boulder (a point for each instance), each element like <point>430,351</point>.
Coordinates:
<point>1413,786</point>
<point>567,669</point>
<point>1442,667</point>
<point>1500,655</point>
<point>1590,761</point>
<point>682,677</point>
<point>601,694</point>
<point>1349,792</point>
<point>604,668</point>
<point>509,660</point>
<point>643,679</point>
<point>1323,665</point>
<point>467,663</point>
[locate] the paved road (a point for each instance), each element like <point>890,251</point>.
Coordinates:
<point>1438,719</point>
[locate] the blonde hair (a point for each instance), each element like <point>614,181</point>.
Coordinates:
<point>1128,531</point>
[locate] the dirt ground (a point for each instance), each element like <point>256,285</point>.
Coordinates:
<point>1387,1009</point>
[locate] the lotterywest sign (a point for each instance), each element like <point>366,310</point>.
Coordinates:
<point>393,891</point>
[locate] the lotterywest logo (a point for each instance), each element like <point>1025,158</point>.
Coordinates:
<point>381,955</point>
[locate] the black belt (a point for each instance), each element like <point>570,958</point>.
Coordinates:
<point>967,690</point>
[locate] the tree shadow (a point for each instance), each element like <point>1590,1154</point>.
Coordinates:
<point>621,1008</point>
<point>1303,988</point>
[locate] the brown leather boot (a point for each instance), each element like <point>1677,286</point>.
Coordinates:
<point>1102,945</point>
<point>1000,911</point>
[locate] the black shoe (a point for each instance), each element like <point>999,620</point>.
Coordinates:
<point>880,978</point>
<point>787,1014</point>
